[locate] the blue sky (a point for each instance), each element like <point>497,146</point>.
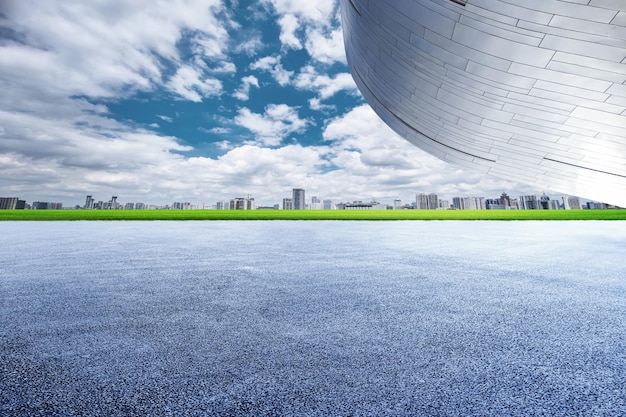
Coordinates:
<point>198,101</point>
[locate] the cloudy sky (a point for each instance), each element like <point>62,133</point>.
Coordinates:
<point>197,100</point>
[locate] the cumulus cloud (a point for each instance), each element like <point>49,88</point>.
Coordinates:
<point>250,45</point>
<point>314,24</point>
<point>326,45</point>
<point>224,67</point>
<point>308,78</point>
<point>274,125</point>
<point>316,104</point>
<point>318,11</point>
<point>289,25</point>
<point>190,84</point>
<point>326,86</point>
<point>243,92</point>
<point>77,153</point>
<point>369,150</point>
<point>361,159</point>
<point>130,43</point>
<point>273,65</point>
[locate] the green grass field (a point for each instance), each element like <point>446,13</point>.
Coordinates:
<point>50,215</point>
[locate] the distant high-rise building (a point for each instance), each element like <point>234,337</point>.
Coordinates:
<point>328,205</point>
<point>555,205</point>
<point>469,203</point>
<point>316,204</point>
<point>89,203</point>
<point>240,203</point>
<point>505,200</point>
<point>594,205</point>
<point>8,203</point>
<point>140,206</point>
<point>129,206</point>
<point>177,205</point>
<point>421,201</point>
<point>573,203</point>
<point>529,202</point>
<point>427,201</point>
<point>299,201</point>
<point>397,204</point>
<point>433,201</point>
<point>494,204</point>
<point>544,202</point>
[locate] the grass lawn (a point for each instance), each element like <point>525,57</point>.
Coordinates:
<point>48,215</point>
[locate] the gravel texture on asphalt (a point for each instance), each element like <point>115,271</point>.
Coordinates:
<point>312,318</point>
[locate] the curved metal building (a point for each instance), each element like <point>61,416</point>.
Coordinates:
<point>533,91</point>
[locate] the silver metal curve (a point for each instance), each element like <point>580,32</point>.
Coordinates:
<point>531,91</point>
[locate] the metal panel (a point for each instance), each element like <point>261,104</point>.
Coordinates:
<point>565,8</point>
<point>516,12</point>
<point>584,25</point>
<point>500,47</point>
<point>533,91</point>
<point>511,33</point>
<point>593,49</point>
<point>559,77</point>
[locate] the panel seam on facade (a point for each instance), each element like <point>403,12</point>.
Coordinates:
<point>584,167</point>
<point>354,7</point>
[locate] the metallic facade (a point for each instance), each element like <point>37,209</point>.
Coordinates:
<point>533,91</point>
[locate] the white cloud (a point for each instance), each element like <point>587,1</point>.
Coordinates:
<point>243,92</point>
<point>272,65</point>
<point>371,152</point>
<point>325,45</point>
<point>326,86</point>
<point>249,46</point>
<point>224,67</point>
<point>317,11</point>
<point>316,24</point>
<point>271,128</point>
<point>367,160</point>
<point>220,130</point>
<point>224,145</point>
<point>165,118</point>
<point>289,24</point>
<point>191,84</point>
<point>316,104</point>
<point>130,38</point>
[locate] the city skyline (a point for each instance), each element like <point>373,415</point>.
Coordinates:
<point>421,201</point>
<point>197,101</point>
